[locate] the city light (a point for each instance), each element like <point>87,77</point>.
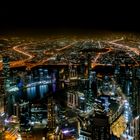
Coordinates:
<point>59,87</point>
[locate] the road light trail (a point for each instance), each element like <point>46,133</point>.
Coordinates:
<point>126,48</point>
<point>96,58</point>
<point>135,50</point>
<point>66,47</point>
<point>15,48</point>
<point>133,59</point>
<point>116,40</point>
<point>52,54</point>
<point>20,62</point>
<point>94,62</point>
<point>99,44</point>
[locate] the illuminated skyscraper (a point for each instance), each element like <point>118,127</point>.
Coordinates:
<point>82,65</point>
<point>4,80</point>
<point>6,71</point>
<point>101,128</point>
<point>72,99</point>
<point>51,113</point>
<point>2,92</point>
<point>135,94</point>
<point>117,72</point>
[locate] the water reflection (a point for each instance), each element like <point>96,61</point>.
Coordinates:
<point>31,92</point>
<point>42,90</point>
<point>41,84</point>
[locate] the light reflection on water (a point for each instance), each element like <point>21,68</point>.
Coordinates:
<point>39,91</point>
<point>31,92</point>
<point>42,90</point>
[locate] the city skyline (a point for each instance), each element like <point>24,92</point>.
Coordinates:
<point>69,72</point>
<point>70,86</point>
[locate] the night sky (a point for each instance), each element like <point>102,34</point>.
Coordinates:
<point>71,16</point>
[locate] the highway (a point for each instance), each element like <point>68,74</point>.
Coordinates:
<point>125,47</point>
<point>18,49</point>
<point>52,53</point>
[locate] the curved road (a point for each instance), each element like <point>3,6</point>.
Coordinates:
<point>18,49</point>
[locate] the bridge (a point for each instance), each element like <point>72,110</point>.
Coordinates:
<point>38,83</point>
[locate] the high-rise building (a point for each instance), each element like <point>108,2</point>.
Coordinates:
<point>101,127</point>
<point>72,71</point>
<point>133,128</point>
<point>89,61</point>
<point>84,129</point>
<point>94,128</point>
<point>135,93</point>
<point>5,82</point>
<point>94,83</point>
<point>138,91</point>
<point>6,71</point>
<point>82,65</point>
<point>6,66</point>
<point>137,105</point>
<point>117,72</point>
<point>72,99</point>
<point>2,94</point>
<point>51,113</point>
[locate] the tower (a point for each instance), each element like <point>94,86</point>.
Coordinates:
<point>2,94</point>
<point>4,80</point>
<point>82,65</point>
<point>101,127</point>
<point>89,62</point>
<point>6,71</point>
<point>117,72</point>
<point>51,113</point>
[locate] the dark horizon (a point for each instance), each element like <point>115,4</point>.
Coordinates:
<point>69,17</point>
